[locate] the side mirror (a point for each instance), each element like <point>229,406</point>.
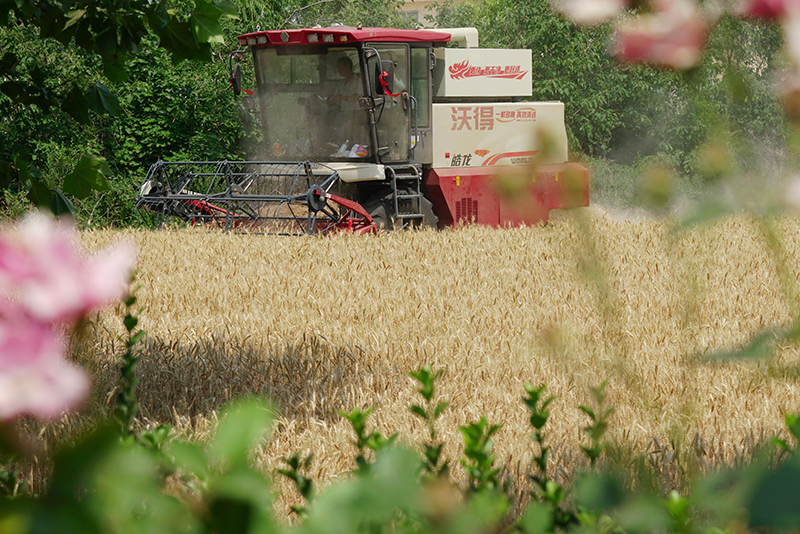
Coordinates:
<point>385,82</point>
<point>236,79</point>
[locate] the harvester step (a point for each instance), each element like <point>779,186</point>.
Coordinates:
<point>407,196</point>
<point>409,215</point>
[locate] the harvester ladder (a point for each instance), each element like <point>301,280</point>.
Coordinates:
<point>406,189</point>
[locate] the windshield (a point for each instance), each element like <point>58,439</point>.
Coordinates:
<point>309,103</point>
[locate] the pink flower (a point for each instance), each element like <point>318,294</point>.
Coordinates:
<point>673,37</point>
<point>588,12</point>
<point>46,279</point>
<point>34,378</point>
<point>769,9</point>
<point>44,265</point>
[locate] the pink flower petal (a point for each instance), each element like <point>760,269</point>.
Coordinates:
<point>791,34</point>
<point>56,281</point>
<point>768,9</point>
<point>34,378</point>
<point>44,392</point>
<point>589,12</point>
<point>673,38</point>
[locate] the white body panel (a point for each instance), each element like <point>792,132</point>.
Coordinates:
<point>357,172</point>
<point>486,134</point>
<point>481,73</point>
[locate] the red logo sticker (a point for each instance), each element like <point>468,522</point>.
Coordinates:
<point>463,70</point>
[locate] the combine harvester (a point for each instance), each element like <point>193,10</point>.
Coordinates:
<point>369,128</point>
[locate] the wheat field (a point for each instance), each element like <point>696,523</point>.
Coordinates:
<point>327,324</point>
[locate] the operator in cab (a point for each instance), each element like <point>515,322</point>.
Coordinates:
<point>349,121</point>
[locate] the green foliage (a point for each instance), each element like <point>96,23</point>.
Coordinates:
<point>127,407</point>
<point>102,484</point>
<point>303,484</point>
<point>57,62</point>
<point>628,112</point>
<point>432,450</point>
<point>548,492</point>
<point>599,423</point>
<point>367,443</point>
<point>478,459</point>
<point>537,405</point>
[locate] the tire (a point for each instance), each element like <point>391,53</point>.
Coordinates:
<point>429,218</point>
<point>377,210</point>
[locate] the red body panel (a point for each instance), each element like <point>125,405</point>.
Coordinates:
<point>507,195</point>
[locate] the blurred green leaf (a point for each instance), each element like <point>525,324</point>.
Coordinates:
<point>776,501</point>
<point>759,347</point>
<point>74,17</point>
<point>89,175</point>
<point>205,23</point>
<point>243,424</point>
<point>537,519</point>
<point>375,499</point>
<point>708,212</point>
<point>190,457</point>
<point>643,515</point>
<point>229,10</point>
<point>60,205</point>
<point>114,67</point>
<point>178,38</point>
<point>239,502</point>
<point>598,492</point>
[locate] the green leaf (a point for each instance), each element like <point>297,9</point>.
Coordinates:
<point>11,89</point>
<point>60,205</point>
<point>706,213</point>
<point>793,424</point>
<point>75,105</point>
<point>759,347</point>
<point>205,23</point>
<point>537,519</point>
<point>101,100</point>
<point>130,322</point>
<point>243,425</point>
<point>88,176</point>
<point>417,410</point>
<point>348,507</point>
<point>178,38</point>
<point>8,62</point>
<point>74,17</point>
<point>38,192</point>
<point>598,493</point>
<point>228,10</point>
<point>114,67</point>
<point>643,514</point>
<point>776,501</point>
<point>136,338</point>
<point>189,457</point>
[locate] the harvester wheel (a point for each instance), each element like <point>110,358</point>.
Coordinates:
<point>429,218</point>
<point>380,215</point>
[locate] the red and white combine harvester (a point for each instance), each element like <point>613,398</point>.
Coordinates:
<point>364,128</point>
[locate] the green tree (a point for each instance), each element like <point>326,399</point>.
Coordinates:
<point>86,47</point>
<point>627,111</point>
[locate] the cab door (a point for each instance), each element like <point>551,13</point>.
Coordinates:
<point>393,117</point>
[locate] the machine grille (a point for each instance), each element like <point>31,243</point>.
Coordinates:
<point>466,209</point>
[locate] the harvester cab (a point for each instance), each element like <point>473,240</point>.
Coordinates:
<point>365,128</point>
